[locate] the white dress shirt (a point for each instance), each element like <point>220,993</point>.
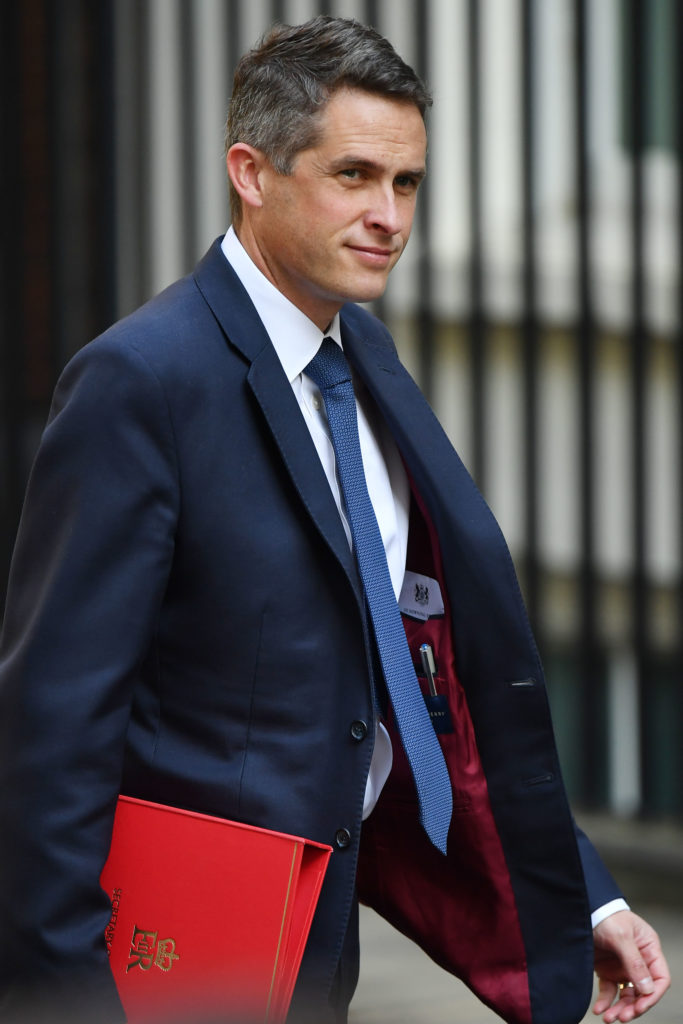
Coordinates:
<point>296,340</point>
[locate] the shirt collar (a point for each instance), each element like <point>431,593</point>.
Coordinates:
<point>296,339</point>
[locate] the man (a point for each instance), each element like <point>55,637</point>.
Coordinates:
<point>187,623</point>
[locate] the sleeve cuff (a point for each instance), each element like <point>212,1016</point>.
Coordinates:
<point>606,910</point>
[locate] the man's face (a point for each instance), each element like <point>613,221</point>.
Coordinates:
<point>332,230</point>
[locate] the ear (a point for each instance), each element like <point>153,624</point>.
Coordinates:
<point>244,168</point>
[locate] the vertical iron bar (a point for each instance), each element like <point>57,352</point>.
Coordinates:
<point>476,324</point>
<point>38,286</point>
<point>371,16</point>
<point>63,121</point>
<point>103,116</point>
<point>190,156</point>
<point>80,131</point>
<point>678,341</point>
<point>639,358</point>
<point>234,41</point>
<point>425,310</point>
<point>130,143</point>
<point>234,33</point>
<point>12,103</point>
<point>590,681</point>
<point>530,326</point>
<point>277,11</point>
<point>143,116</point>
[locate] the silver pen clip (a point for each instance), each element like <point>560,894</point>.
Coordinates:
<point>429,666</point>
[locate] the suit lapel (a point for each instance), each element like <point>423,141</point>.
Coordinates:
<point>235,312</point>
<point>287,426</point>
<point>485,599</point>
<point>409,417</point>
<point>440,477</point>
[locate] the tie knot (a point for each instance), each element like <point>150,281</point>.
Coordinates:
<point>329,367</point>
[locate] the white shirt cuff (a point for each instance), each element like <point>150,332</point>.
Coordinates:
<point>607,910</point>
<point>382,760</point>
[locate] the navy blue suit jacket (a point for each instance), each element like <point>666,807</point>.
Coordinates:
<point>185,624</point>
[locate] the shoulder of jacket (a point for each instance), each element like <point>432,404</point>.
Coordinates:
<point>369,327</point>
<point>174,329</point>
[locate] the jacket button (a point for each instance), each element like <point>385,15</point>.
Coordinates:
<point>359,730</point>
<point>342,838</point>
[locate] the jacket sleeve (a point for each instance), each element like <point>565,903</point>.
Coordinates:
<point>600,885</point>
<point>88,576</point>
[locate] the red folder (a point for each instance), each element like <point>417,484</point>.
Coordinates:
<point>209,917</point>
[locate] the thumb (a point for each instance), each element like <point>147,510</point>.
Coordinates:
<point>636,970</point>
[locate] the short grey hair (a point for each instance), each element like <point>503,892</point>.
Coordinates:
<point>281,87</point>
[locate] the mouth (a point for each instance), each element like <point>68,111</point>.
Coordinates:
<point>374,255</point>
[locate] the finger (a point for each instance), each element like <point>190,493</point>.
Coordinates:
<point>607,991</point>
<point>630,1005</point>
<point>645,1002</point>
<point>624,1009</point>
<point>636,970</point>
<point>656,977</point>
<point>658,968</point>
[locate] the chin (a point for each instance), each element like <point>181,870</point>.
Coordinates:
<point>367,291</point>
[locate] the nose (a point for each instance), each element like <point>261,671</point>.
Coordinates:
<point>383,214</point>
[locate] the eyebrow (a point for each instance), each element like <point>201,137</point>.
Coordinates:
<point>371,165</point>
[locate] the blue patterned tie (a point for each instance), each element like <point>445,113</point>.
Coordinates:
<point>330,371</point>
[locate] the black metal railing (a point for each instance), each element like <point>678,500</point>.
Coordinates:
<point>66,129</point>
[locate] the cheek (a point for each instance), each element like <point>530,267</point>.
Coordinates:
<point>334,214</point>
<point>407,217</point>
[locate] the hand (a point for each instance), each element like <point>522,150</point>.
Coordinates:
<point>627,950</point>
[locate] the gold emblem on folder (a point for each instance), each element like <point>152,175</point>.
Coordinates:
<point>147,951</point>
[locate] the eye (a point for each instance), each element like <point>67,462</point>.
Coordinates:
<point>350,173</point>
<point>406,182</point>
